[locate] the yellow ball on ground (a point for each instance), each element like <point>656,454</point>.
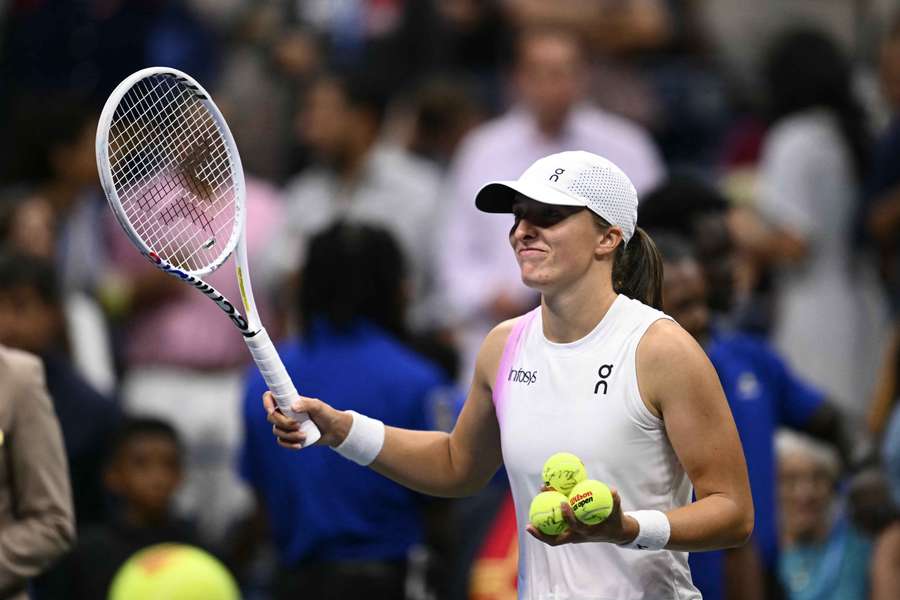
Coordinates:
<point>591,501</point>
<point>562,471</point>
<point>546,513</point>
<point>173,572</point>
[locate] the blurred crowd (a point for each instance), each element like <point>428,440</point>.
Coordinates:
<point>763,139</point>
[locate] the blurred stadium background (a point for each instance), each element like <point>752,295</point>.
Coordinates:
<point>763,138</point>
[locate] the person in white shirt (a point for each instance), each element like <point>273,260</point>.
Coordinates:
<point>659,429</point>
<point>477,276</point>
<point>358,179</point>
<point>829,317</point>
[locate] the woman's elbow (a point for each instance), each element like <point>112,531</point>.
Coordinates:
<point>468,486</point>
<point>743,525</point>
<point>745,530</point>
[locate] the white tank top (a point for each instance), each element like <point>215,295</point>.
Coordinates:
<point>582,397</point>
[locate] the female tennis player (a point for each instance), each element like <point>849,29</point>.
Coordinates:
<point>595,370</point>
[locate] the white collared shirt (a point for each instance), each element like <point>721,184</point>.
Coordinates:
<point>394,190</point>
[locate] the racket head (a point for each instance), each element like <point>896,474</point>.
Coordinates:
<point>171,171</point>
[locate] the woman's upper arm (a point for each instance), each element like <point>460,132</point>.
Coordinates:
<point>475,440</point>
<point>677,379</point>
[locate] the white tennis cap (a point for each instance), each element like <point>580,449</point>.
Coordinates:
<point>574,178</point>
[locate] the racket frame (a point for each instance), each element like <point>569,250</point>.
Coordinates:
<point>249,324</point>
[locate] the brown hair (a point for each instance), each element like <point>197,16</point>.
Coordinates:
<point>637,268</point>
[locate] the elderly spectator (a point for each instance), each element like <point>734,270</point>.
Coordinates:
<point>825,556</point>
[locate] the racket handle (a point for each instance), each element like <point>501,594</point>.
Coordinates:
<point>272,369</point>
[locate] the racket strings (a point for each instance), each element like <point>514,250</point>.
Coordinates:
<point>172,172</point>
<point>180,143</point>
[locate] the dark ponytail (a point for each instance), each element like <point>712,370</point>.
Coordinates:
<point>638,270</point>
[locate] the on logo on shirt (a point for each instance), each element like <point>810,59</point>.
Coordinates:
<point>603,372</point>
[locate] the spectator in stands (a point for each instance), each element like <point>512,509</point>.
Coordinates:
<point>828,321</point>
<point>352,316</point>
<point>37,523</point>
<point>387,37</point>
<point>143,472</point>
<point>478,277</point>
<point>691,208</point>
<point>882,220</point>
<point>55,140</point>
<point>361,180</point>
<point>31,308</point>
<point>443,111</point>
<point>763,395</point>
<point>472,39</point>
<point>824,555</point>
<point>55,158</point>
<point>27,223</point>
<point>649,64</point>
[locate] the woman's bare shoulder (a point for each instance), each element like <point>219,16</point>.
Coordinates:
<point>492,351</point>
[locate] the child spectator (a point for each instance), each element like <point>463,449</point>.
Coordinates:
<point>143,474</point>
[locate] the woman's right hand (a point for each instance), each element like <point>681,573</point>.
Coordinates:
<point>333,424</point>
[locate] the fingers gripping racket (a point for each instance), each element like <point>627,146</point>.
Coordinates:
<point>173,177</point>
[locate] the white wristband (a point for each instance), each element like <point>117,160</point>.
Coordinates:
<point>364,441</point>
<point>653,530</point>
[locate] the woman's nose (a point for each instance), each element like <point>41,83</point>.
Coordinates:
<point>522,229</point>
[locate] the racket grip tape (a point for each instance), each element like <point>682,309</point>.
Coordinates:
<point>276,376</point>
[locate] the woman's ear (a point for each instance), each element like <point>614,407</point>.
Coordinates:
<point>608,240</point>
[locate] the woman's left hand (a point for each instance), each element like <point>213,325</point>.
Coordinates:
<point>616,529</point>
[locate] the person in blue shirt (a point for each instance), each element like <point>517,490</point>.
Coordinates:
<point>344,531</point>
<point>763,395</point>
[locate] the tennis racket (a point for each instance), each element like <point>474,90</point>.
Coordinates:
<point>173,177</point>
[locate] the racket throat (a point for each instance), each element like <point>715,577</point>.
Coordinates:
<point>207,290</point>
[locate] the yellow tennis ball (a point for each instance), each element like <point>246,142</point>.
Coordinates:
<point>546,513</point>
<point>173,572</point>
<point>562,471</point>
<point>591,501</point>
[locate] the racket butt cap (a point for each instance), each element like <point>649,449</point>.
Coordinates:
<point>312,432</point>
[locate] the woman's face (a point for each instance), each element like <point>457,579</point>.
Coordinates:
<point>805,487</point>
<point>554,245</point>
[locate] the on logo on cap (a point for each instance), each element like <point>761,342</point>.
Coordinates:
<point>556,174</point>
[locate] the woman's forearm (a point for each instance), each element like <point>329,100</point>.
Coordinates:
<point>424,461</point>
<point>712,523</point>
